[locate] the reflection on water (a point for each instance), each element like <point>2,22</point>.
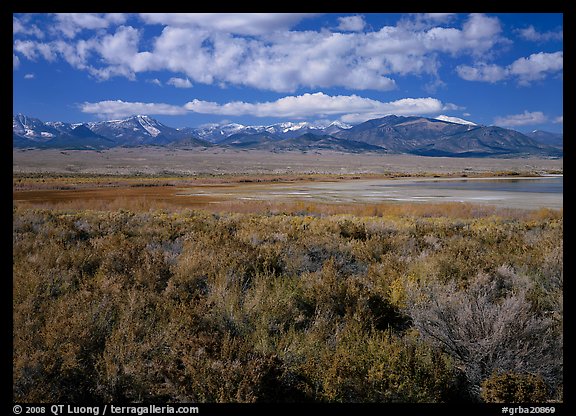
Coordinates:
<point>525,193</point>
<point>528,193</point>
<point>552,185</point>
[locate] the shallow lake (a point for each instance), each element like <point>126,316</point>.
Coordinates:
<point>521,192</point>
<point>552,185</point>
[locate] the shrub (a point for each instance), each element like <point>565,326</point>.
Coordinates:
<point>514,388</point>
<point>193,306</point>
<point>489,327</point>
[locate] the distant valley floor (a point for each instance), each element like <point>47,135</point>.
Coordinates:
<point>162,161</point>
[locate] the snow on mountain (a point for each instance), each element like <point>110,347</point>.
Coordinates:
<point>340,124</point>
<point>290,129</point>
<point>307,125</point>
<point>442,136</point>
<point>149,124</point>
<point>60,126</point>
<point>216,133</point>
<point>135,130</point>
<point>32,128</point>
<point>455,120</point>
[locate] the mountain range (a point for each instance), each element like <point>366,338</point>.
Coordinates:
<point>441,136</point>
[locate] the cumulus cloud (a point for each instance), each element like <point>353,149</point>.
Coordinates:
<point>349,107</point>
<point>236,23</point>
<point>179,82</point>
<point>29,76</point>
<point>118,108</point>
<point>439,17</point>
<point>421,21</point>
<point>70,24</point>
<point>482,72</point>
<point>531,34</point>
<point>15,62</point>
<point>525,119</point>
<point>319,104</point>
<point>77,53</point>
<point>559,120</point>
<point>155,81</point>
<point>33,50</point>
<point>213,48</point>
<point>351,23</point>
<point>480,28</point>
<point>284,63</point>
<point>118,50</point>
<point>20,27</point>
<point>525,70</point>
<point>537,66</point>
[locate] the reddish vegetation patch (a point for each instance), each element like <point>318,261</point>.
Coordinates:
<point>136,198</point>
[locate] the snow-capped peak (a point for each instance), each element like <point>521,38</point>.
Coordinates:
<point>148,124</point>
<point>340,124</point>
<point>455,120</point>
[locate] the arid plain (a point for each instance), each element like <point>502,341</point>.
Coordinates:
<point>155,161</point>
<point>219,276</point>
<point>154,177</point>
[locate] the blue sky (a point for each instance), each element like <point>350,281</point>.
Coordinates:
<point>262,68</point>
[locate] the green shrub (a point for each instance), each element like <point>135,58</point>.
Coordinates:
<point>514,388</point>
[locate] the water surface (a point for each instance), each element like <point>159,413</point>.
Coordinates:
<point>521,192</point>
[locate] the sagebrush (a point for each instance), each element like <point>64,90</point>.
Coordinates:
<point>193,306</point>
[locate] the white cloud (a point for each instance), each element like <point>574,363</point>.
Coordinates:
<point>421,21</point>
<point>482,72</point>
<point>320,104</point>
<point>29,76</point>
<point>284,63</point>
<point>535,67</point>
<point>479,34</point>
<point>525,119</point>
<point>121,46</point>
<point>481,28</point>
<point>179,82</point>
<point>76,54</point>
<point>118,50</point>
<point>211,48</point>
<point>237,23</point>
<point>15,62</point>
<point>530,33</point>
<point>119,108</point>
<point>351,23</point>
<point>559,120</point>
<point>72,23</point>
<point>439,17</point>
<point>33,50</point>
<point>20,27</point>
<point>155,81</point>
<point>351,108</point>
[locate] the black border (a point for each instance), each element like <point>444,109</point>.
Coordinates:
<point>373,6</point>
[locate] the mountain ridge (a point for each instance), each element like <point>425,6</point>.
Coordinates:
<point>440,136</point>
